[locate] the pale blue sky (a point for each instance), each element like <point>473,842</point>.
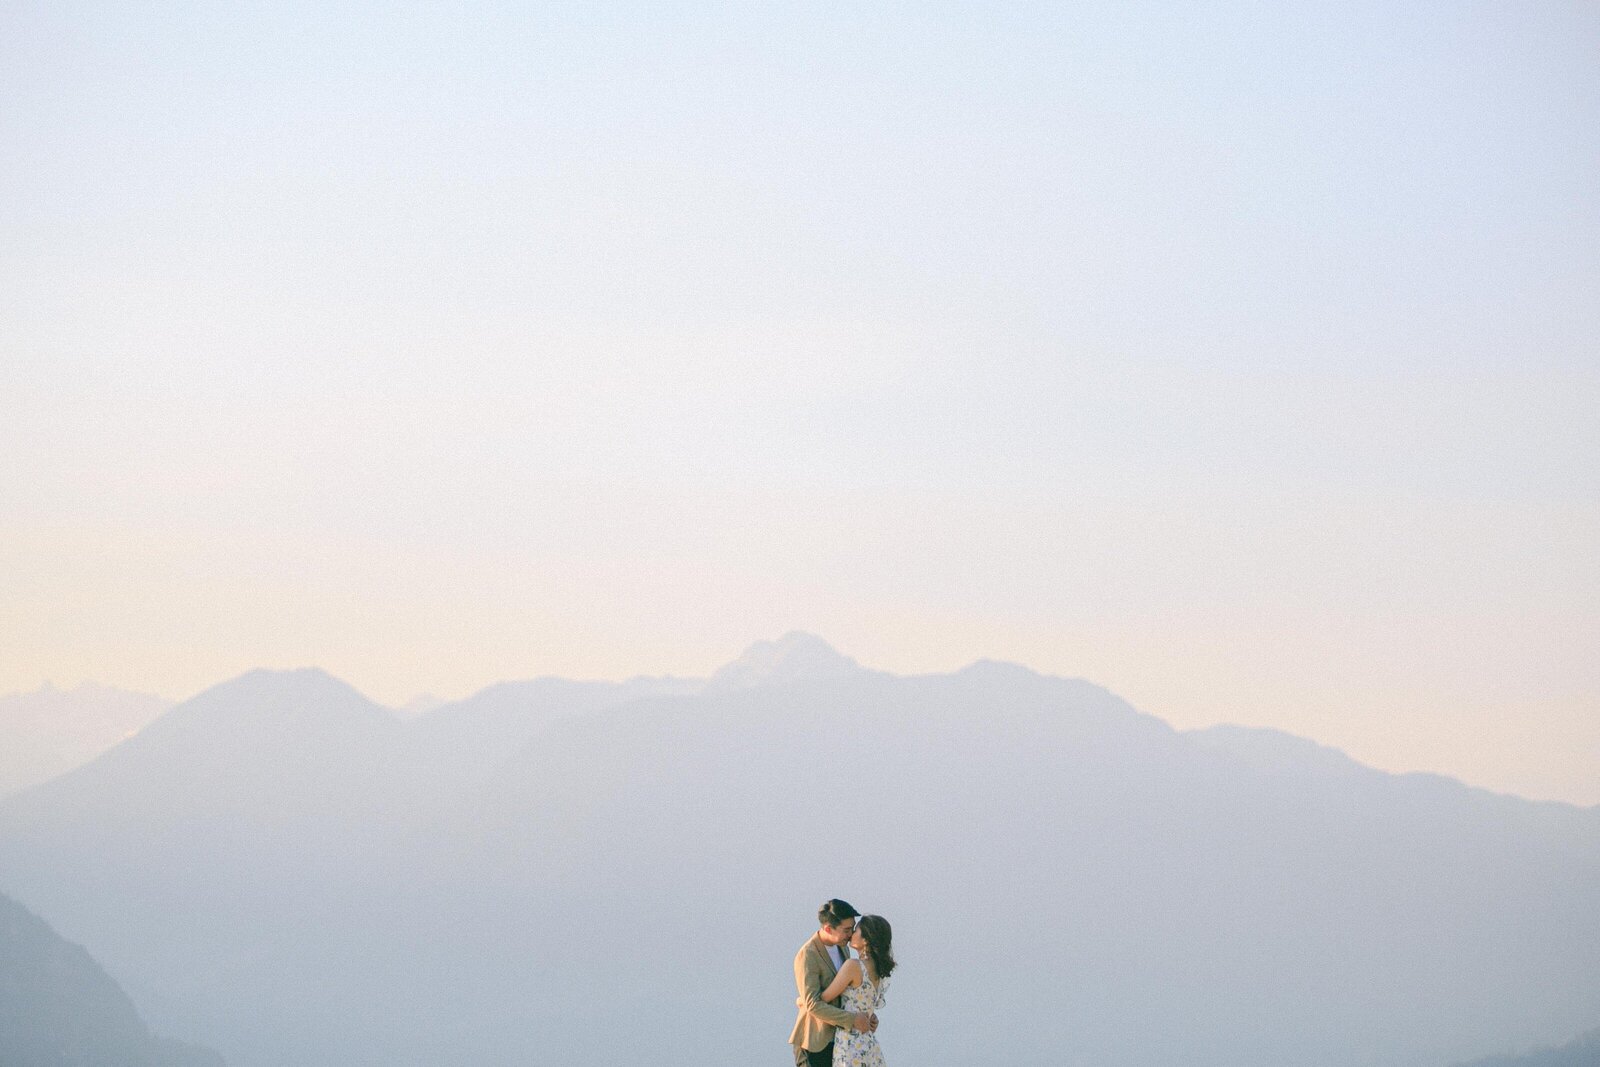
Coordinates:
<point>1240,359</point>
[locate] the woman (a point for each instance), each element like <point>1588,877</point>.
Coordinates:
<point>862,982</point>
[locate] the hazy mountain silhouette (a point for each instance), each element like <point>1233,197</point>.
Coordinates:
<point>50,731</point>
<point>1275,752</point>
<point>794,657</point>
<point>471,736</point>
<point>1582,1051</point>
<point>252,756</point>
<point>58,1008</point>
<point>583,873</point>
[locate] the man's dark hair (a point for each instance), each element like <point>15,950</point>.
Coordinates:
<point>834,912</point>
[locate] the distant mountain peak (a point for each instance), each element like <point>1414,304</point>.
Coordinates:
<point>270,694</point>
<point>297,681</point>
<point>997,668</point>
<point>796,656</point>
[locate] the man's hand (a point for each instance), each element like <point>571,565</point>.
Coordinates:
<point>874,1022</point>
<point>864,1022</point>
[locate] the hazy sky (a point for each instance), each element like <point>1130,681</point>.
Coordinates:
<point>1241,358</point>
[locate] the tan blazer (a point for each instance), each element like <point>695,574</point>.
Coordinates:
<point>813,971</point>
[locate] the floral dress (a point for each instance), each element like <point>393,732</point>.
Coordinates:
<point>853,1048</point>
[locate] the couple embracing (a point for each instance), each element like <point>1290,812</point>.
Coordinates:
<point>839,994</point>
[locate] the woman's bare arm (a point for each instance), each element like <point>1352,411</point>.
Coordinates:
<point>849,975</point>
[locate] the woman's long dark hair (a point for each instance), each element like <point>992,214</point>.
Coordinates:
<point>879,938</point>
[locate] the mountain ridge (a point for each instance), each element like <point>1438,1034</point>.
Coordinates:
<point>59,1007</point>
<point>415,869</point>
<point>1581,1051</point>
<point>521,708</point>
<point>50,731</point>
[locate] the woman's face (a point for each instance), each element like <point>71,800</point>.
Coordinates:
<point>858,942</point>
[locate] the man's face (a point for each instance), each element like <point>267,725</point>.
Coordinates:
<point>838,935</point>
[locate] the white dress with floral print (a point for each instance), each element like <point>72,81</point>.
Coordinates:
<point>852,1048</point>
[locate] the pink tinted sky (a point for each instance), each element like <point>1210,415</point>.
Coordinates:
<point>1242,363</point>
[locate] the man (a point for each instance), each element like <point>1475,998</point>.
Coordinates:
<point>815,966</point>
